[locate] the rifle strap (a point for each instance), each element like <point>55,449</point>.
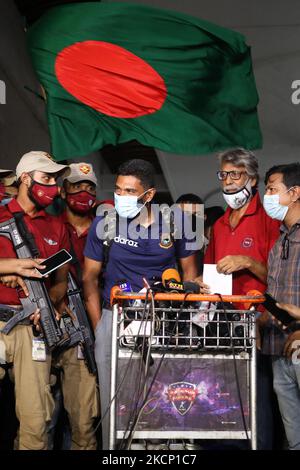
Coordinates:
<point>26,235</point>
<point>110,224</point>
<point>75,262</point>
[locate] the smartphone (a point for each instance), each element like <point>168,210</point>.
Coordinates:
<point>55,261</point>
<point>278,313</point>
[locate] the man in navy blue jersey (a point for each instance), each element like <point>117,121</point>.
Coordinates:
<point>139,249</point>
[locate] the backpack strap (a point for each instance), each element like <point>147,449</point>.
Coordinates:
<point>75,262</point>
<point>168,233</point>
<point>110,224</point>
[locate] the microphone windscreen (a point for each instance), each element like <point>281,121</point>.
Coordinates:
<point>191,287</point>
<point>254,292</point>
<point>170,274</point>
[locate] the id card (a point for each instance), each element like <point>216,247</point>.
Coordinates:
<point>79,353</point>
<point>38,350</point>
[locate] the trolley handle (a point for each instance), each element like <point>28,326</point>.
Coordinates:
<point>252,297</point>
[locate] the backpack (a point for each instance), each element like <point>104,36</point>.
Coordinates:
<point>110,224</point>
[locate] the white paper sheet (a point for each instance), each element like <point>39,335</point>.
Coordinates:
<point>218,283</point>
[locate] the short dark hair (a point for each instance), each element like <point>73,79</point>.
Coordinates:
<point>141,169</point>
<point>290,174</point>
<point>213,213</point>
<point>189,198</point>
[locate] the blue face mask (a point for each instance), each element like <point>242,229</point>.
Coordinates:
<point>5,201</point>
<point>273,208</point>
<point>128,206</point>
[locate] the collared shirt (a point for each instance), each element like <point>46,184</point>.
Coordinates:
<point>254,236</point>
<point>77,242</point>
<point>131,259</point>
<point>283,283</point>
<point>49,234</point>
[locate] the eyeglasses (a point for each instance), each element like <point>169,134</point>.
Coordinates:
<point>234,174</point>
<point>285,248</point>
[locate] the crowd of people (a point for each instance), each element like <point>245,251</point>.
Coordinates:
<point>257,242</point>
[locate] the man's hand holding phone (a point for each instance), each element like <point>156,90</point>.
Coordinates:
<point>54,262</point>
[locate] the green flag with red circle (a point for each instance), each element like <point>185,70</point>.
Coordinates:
<point>115,72</point>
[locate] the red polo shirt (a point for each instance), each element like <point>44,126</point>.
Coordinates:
<point>49,234</point>
<point>254,236</point>
<point>76,241</point>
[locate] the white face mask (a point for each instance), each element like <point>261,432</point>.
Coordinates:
<point>128,206</point>
<point>240,197</point>
<point>273,208</point>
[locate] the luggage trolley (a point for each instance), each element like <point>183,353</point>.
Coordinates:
<point>183,369</point>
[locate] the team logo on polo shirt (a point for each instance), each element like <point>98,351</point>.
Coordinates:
<point>247,242</point>
<point>85,169</point>
<point>165,241</point>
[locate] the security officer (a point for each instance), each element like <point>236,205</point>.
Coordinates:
<point>36,173</point>
<point>79,387</point>
<point>130,259</point>
<point>7,178</point>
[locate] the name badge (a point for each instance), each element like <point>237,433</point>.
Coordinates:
<point>38,350</point>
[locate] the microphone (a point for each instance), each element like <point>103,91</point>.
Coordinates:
<point>170,275</point>
<point>172,282</point>
<point>124,285</point>
<point>126,288</point>
<point>146,283</point>
<point>191,287</point>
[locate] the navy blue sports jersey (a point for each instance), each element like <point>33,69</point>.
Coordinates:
<point>132,259</point>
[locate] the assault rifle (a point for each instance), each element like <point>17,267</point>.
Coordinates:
<point>78,328</point>
<point>15,230</point>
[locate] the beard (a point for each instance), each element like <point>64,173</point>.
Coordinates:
<point>33,200</point>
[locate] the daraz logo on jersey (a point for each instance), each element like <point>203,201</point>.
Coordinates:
<point>125,241</point>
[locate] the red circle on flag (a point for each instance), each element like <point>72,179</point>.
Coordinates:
<point>110,79</point>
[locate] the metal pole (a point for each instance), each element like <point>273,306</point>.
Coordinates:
<point>113,383</point>
<point>253,385</point>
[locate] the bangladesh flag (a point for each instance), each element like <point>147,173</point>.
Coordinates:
<point>115,72</point>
